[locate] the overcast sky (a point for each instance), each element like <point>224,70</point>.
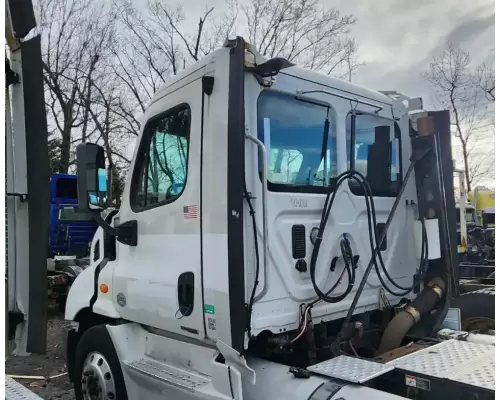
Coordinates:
<point>397,38</point>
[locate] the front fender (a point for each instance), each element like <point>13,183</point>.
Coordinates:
<point>82,290</point>
<point>80,293</point>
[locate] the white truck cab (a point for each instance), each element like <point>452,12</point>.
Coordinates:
<point>206,283</point>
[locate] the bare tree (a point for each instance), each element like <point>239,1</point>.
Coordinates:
<point>156,42</point>
<point>452,80</point>
<point>301,32</point>
<point>485,79</point>
<point>103,110</point>
<point>153,45</point>
<point>103,62</point>
<point>74,34</point>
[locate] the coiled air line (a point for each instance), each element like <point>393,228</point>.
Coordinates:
<point>376,257</point>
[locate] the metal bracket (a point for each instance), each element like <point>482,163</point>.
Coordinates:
<point>22,196</point>
<point>413,103</point>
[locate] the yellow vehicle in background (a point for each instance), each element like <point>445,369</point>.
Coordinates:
<point>483,201</point>
<point>475,230</point>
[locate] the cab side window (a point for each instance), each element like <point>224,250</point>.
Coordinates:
<point>161,168</point>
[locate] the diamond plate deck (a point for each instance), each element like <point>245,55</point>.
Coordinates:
<point>16,391</point>
<point>469,363</point>
<point>168,374</point>
<point>350,369</point>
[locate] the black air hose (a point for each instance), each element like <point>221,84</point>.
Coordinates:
<point>373,260</point>
<point>351,174</point>
<point>375,247</point>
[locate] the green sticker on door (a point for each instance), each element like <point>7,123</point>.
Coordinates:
<point>209,309</point>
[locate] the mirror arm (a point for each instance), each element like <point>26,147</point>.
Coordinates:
<point>126,233</point>
<point>106,227</point>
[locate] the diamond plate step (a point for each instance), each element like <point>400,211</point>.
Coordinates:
<point>168,374</point>
<point>16,391</point>
<point>350,369</point>
<point>469,363</point>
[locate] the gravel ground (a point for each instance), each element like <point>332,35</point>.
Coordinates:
<point>53,363</point>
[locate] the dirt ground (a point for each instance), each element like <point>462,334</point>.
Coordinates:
<point>53,363</point>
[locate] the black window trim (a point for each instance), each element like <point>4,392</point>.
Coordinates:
<point>287,188</point>
<point>141,156</point>
<point>397,136</point>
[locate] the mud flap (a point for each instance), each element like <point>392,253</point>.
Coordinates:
<point>71,340</point>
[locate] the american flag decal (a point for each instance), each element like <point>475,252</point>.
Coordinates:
<point>190,212</point>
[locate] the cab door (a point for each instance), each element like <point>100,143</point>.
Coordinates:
<point>157,283</point>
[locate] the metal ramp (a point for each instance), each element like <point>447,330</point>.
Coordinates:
<point>467,363</point>
<point>16,391</point>
<point>451,368</point>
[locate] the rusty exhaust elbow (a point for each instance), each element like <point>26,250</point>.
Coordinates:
<point>410,316</point>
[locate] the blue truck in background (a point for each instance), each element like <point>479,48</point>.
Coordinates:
<point>70,235</point>
<point>70,231</point>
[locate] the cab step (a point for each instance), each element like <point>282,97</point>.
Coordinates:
<point>187,380</point>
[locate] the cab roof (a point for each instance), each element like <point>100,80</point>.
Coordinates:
<point>315,77</point>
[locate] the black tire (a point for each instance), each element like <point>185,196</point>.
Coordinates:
<point>97,339</point>
<point>479,304</point>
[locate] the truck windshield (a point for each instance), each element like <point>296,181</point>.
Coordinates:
<point>292,131</point>
<point>489,218</point>
<point>66,188</point>
<point>70,214</point>
<point>470,217</point>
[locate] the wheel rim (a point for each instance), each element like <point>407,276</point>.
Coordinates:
<point>97,379</point>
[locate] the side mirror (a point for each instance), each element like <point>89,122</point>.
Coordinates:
<point>91,177</point>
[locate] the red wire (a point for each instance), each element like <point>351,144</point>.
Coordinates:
<point>307,312</point>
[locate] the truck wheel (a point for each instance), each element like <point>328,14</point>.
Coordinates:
<point>477,309</point>
<point>97,373</point>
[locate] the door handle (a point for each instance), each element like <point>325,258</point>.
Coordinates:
<point>185,293</point>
